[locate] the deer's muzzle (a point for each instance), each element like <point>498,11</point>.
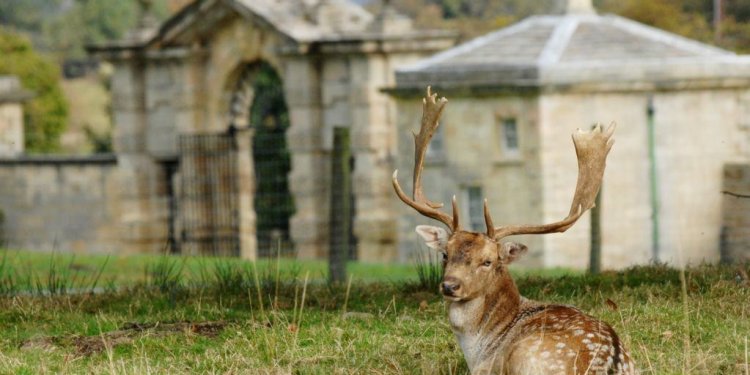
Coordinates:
<point>450,286</point>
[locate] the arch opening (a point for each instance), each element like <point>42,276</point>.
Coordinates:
<point>259,103</point>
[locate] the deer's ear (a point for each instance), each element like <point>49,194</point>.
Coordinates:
<point>434,237</point>
<point>510,251</point>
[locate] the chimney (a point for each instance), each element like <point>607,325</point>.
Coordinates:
<point>578,7</point>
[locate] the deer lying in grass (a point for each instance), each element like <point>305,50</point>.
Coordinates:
<point>500,331</point>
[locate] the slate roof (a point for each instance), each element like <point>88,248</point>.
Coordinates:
<point>573,48</point>
<point>293,18</point>
<point>302,22</point>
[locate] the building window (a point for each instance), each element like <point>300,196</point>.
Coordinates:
<point>435,147</point>
<point>475,208</point>
<point>508,132</point>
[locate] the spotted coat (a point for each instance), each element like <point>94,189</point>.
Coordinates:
<point>538,339</point>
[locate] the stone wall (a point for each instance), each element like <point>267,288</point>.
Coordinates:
<point>143,189</point>
<point>472,156</point>
<point>189,85</point>
<point>696,133</point>
<point>61,203</point>
<point>736,214</point>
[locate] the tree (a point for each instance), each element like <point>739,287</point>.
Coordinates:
<point>735,35</point>
<point>45,115</point>
<point>689,18</point>
<point>27,15</point>
<point>89,22</point>
<point>64,27</point>
<point>663,14</point>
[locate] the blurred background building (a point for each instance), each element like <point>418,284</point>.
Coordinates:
<point>225,113</point>
<point>229,108</point>
<point>516,95</point>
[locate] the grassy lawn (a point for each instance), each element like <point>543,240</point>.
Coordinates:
<point>30,268</point>
<point>130,269</point>
<point>217,317</point>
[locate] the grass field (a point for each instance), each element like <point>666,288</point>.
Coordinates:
<point>219,316</point>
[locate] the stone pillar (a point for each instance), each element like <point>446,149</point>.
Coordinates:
<point>12,96</point>
<point>246,194</point>
<point>373,145</point>
<point>308,180</point>
<point>143,183</point>
<point>11,129</point>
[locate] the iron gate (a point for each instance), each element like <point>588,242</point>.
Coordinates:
<point>209,195</point>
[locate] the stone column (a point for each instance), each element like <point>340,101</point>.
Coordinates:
<point>373,145</point>
<point>308,180</point>
<point>145,215</point>
<point>12,96</point>
<point>246,194</point>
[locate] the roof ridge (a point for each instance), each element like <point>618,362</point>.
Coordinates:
<point>558,42</point>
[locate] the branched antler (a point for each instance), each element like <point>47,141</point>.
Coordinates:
<point>432,108</point>
<point>591,149</point>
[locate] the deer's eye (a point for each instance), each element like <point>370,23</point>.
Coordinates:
<point>487,263</point>
<point>445,257</point>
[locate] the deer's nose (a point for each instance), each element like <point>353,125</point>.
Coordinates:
<point>450,286</point>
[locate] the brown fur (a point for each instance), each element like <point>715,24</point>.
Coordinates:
<point>498,330</point>
<point>501,332</point>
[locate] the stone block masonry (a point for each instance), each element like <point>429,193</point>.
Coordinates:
<point>60,203</point>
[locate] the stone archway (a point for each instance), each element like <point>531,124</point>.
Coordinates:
<point>186,84</point>
<point>258,103</point>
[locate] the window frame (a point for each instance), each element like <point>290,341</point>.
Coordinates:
<point>473,211</point>
<point>508,151</point>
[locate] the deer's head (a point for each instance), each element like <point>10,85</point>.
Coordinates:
<point>474,262</point>
<point>471,260</point>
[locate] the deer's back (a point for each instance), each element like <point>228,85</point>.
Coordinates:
<point>563,340</point>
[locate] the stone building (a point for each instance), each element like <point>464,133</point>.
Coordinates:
<point>182,96</point>
<point>187,176</point>
<point>515,96</point>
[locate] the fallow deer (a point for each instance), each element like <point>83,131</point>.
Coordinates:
<point>500,331</point>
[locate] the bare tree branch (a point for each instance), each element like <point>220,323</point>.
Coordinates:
<point>735,194</point>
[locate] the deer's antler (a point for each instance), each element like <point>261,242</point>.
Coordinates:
<point>432,108</point>
<point>591,149</point>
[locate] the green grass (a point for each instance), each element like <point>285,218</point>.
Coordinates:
<point>389,327</point>
<point>131,269</point>
<point>31,270</point>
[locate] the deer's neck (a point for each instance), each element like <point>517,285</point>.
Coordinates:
<point>479,324</point>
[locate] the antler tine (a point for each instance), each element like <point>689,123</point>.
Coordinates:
<point>591,149</point>
<point>455,225</point>
<point>488,221</point>
<point>432,108</point>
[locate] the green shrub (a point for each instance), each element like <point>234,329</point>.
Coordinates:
<point>46,115</point>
